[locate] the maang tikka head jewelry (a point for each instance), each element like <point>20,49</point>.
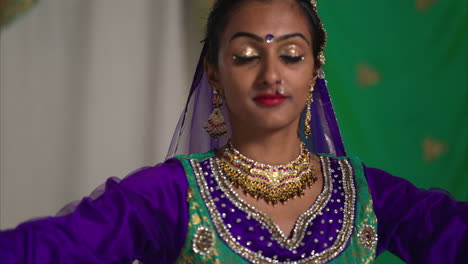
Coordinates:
<point>215,125</point>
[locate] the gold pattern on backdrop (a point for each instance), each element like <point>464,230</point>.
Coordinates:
<point>433,148</point>
<point>423,5</point>
<point>367,76</point>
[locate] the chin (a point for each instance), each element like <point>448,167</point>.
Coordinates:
<point>272,125</point>
<point>266,122</point>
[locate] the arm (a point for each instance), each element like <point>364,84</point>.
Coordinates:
<point>417,225</point>
<point>143,216</point>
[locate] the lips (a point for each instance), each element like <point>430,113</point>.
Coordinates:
<point>270,99</point>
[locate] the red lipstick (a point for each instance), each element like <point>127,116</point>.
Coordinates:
<point>270,99</point>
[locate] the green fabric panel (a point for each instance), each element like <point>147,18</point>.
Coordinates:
<point>199,216</point>
<point>10,9</point>
<point>397,75</point>
<point>365,218</point>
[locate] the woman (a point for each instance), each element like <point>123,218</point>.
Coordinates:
<point>254,188</point>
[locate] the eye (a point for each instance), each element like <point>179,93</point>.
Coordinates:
<point>291,53</point>
<point>291,59</point>
<point>244,59</point>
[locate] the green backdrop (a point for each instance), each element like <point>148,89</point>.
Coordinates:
<point>397,73</point>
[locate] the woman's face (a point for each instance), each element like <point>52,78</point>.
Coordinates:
<point>251,69</point>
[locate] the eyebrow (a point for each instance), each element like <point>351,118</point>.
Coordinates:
<point>260,39</point>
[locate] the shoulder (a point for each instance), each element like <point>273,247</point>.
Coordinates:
<point>168,176</point>
<point>166,170</point>
<point>170,172</point>
<point>186,160</point>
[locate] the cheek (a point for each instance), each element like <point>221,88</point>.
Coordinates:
<point>235,96</point>
<point>235,85</point>
<point>300,82</point>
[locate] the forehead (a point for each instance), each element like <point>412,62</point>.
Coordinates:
<point>267,17</point>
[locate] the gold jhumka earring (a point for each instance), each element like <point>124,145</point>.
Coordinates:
<point>308,117</point>
<point>215,125</point>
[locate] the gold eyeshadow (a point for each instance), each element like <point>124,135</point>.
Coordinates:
<point>248,52</point>
<point>291,50</point>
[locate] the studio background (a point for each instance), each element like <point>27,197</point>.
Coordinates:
<point>92,89</point>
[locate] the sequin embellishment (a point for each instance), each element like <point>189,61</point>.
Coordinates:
<point>203,240</point>
<point>367,236</point>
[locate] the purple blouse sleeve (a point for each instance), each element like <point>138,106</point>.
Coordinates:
<point>143,217</point>
<point>419,226</point>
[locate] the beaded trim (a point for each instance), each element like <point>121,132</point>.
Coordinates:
<point>301,224</point>
<point>349,214</point>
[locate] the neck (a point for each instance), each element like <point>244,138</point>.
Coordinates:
<point>273,148</point>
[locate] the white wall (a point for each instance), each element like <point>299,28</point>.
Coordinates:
<point>88,90</point>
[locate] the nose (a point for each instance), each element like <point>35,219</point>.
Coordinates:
<point>270,73</point>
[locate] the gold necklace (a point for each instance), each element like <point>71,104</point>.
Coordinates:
<point>272,183</point>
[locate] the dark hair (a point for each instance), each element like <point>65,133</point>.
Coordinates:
<point>220,14</point>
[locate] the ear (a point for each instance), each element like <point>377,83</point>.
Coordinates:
<point>314,77</point>
<point>212,75</point>
<point>315,73</point>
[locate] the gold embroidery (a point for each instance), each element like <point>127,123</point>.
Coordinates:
<point>189,195</point>
<point>196,219</point>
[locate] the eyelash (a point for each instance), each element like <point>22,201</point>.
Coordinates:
<point>245,59</point>
<point>291,59</point>
<point>286,59</point>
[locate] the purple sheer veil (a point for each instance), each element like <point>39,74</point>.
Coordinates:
<point>189,136</point>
